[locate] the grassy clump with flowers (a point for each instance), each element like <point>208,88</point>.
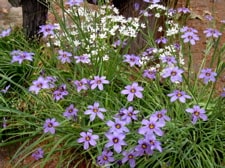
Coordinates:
<point>82,98</point>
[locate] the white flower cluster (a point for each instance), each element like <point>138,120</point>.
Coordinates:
<point>92,29</point>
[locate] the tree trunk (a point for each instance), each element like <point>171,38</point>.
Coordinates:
<point>34,15</point>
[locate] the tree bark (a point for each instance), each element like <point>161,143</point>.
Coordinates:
<point>34,15</point>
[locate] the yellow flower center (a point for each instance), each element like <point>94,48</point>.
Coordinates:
<point>151,126</point>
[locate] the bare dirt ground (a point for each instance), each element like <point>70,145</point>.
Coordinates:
<point>200,8</point>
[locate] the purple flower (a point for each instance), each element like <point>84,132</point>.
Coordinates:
<point>98,82</point>
<point>117,126</point>
<point>153,125</point>
<point>143,148</point>
<point>171,12</point>
<point>190,37</point>
<point>51,81</point>
<point>132,60</point>
<point>161,40</point>
<point>152,1</point>
<point>174,73</point>
<point>130,157</point>
<point>47,30</point>
<point>4,122</point>
<point>105,158</point>
<point>133,90</point>
<point>95,110</point>
<point>207,75</point>
<point>129,114</point>
<point>209,17</point>
<point>20,56</point>
<point>197,113</point>
<point>136,6</point>
<point>88,139</point>
<point>212,33</point>
<point>119,43</point>
<point>64,56</point>
<point>150,73</point>
<point>74,2</point>
<point>81,85</point>
<point>59,93</point>
<point>180,95</point>
<point>38,154</point>
<point>176,46</point>
<point>188,29</point>
<point>154,144</point>
<point>5,90</point>
<point>168,59</point>
<point>116,140</point>
<point>223,93</point>
<point>5,33</point>
<point>183,10</point>
<point>40,83</point>
<point>70,112</point>
<point>160,116</point>
<point>85,59</point>
<point>49,125</point>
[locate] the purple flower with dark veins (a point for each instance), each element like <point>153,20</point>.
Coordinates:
<point>49,125</point>
<point>40,83</point>
<point>71,112</point>
<point>88,139</point>
<point>132,60</point>
<point>105,158</point>
<point>116,140</point>
<point>153,125</point>
<point>47,30</point>
<point>81,84</point>
<point>64,56</point>
<point>95,110</point>
<point>168,59</point>
<point>143,148</point>
<point>190,37</point>
<point>117,126</point>
<point>178,95</point>
<point>130,157</point>
<point>129,114</point>
<point>160,116</point>
<point>150,73</point>
<point>98,82</point>
<point>133,90</point>
<point>212,33</point>
<point>175,74</point>
<point>38,154</point>
<point>207,75</point>
<point>161,40</point>
<point>154,144</point>
<point>20,56</point>
<point>197,113</point>
<point>60,93</point>
<point>85,59</point>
